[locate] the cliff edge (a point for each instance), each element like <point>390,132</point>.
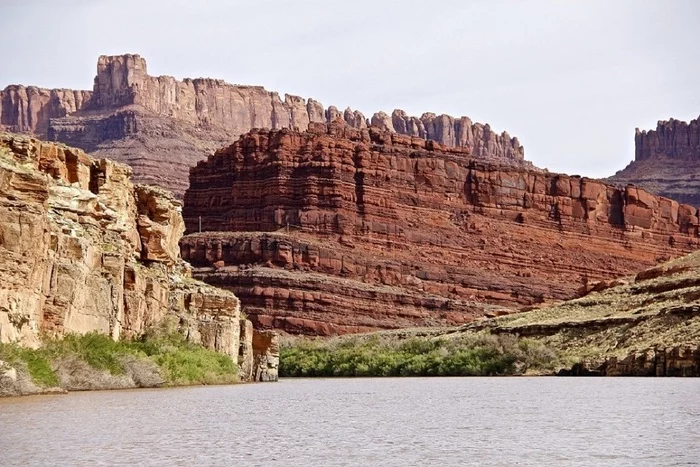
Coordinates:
<point>667,161</point>
<point>161,126</point>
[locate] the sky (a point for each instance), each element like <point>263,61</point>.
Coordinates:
<point>571,79</point>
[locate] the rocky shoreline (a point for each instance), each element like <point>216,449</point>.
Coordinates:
<point>161,358</point>
<point>673,362</point>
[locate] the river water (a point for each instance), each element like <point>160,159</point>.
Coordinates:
<point>392,421</point>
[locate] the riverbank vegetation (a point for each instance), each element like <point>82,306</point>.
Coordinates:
<point>95,361</point>
<point>385,354</point>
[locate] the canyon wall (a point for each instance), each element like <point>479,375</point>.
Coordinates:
<point>161,126</point>
<point>339,229</point>
<point>82,249</point>
<point>667,161</point>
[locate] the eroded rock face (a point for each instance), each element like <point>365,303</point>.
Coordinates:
<point>667,161</point>
<point>245,351</point>
<point>673,139</point>
<point>58,237</point>
<point>677,361</point>
<point>29,109</point>
<point>266,356</point>
<point>161,126</point>
<point>368,229</point>
<point>673,361</point>
<point>482,142</point>
<point>82,250</point>
<point>159,223</point>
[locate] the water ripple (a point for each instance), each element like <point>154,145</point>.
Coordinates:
<point>382,422</point>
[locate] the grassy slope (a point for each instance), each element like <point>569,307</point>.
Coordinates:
<point>659,307</point>
<point>94,361</point>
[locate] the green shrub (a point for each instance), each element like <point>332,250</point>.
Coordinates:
<point>187,366</point>
<point>98,350</point>
<point>179,362</point>
<point>468,355</point>
<point>36,362</point>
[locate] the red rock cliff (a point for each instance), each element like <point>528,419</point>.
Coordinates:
<point>30,109</point>
<point>672,139</point>
<point>370,229</point>
<point>667,161</point>
<point>162,126</point>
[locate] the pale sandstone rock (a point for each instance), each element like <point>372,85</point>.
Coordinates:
<point>8,374</point>
<point>159,224</point>
<point>482,142</point>
<point>10,385</point>
<point>266,355</point>
<point>355,118</point>
<point>83,250</point>
<point>315,111</point>
<point>382,121</point>
<point>298,114</point>
<point>245,353</point>
<point>333,114</point>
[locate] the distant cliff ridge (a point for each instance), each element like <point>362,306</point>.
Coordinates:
<point>162,126</point>
<point>29,109</point>
<point>667,161</point>
<point>673,139</point>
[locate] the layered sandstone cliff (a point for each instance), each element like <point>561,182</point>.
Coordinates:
<point>161,126</point>
<point>667,161</point>
<point>82,249</point>
<point>339,229</point>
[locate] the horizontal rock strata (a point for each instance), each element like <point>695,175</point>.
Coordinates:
<point>368,229</point>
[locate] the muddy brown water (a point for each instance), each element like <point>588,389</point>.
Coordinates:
<point>382,422</point>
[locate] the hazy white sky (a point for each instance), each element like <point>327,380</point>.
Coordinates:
<point>572,79</point>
